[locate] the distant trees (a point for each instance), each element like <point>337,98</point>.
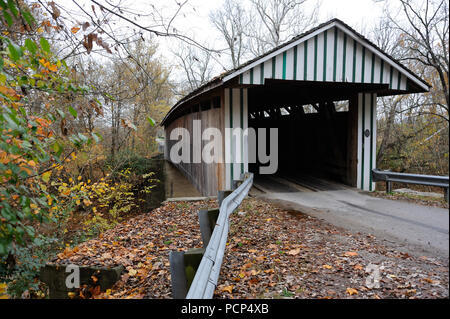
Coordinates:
<point>413,130</point>
<point>254,27</point>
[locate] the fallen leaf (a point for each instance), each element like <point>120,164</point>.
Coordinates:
<point>229,288</point>
<point>351,253</point>
<point>352,291</point>
<point>358,267</point>
<point>132,271</point>
<point>294,252</point>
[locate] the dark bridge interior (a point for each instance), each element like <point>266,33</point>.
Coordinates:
<point>317,136</point>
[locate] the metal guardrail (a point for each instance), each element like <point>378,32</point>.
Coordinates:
<point>207,274</point>
<point>428,180</point>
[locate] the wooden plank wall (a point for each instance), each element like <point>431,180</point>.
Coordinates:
<point>207,178</point>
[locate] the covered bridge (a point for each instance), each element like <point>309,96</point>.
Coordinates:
<point>319,89</point>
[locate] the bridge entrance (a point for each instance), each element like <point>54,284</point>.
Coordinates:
<point>317,126</point>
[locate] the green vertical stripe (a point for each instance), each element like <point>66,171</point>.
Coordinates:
<point>241,78</point>
<point>325,39</point>
<point>372,75</point>
<point>363,64</point>
<point>251,76</point>
<point>305,64</point>
<point>315,58</point>
<point>399,80</point>
<point>295,62</point>
<point>231,136</point>
<point>262,73</point>
<point>273,66</point>
<point>241,99</point>
<point>381,70</point>
<point>284,65</point>
<point>363,108</point>
<point>344,58</point>
<point>354,61</point>
<point>371,141</point>
<point>335,54</point>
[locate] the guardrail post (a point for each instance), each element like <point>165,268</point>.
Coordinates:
<point>192,259</point>
<point>177,275</point>
<point>446,194</point>
<point>207,219</point>
<point>221,196</point>
<point>183,266</point>
<point>388,187</point>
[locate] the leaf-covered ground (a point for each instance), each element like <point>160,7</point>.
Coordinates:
<point>271,253</point>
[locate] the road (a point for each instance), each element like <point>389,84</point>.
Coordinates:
<point>419,229</point>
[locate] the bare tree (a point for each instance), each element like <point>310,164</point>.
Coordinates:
<point>196,66</point>
<point>276,21</point>
<point>231,20</point>
<point>426,36</point>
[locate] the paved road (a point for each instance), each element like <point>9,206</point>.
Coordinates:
<point>417,228</point>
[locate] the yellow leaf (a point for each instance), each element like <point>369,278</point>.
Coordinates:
<point>46,176</point>
<point>229,289</point>
<point>71,294</point>
<point>87,202</point>
<point>74,29</point>
<point>32,163</point>
<point>52,68</point>
<point>327,267</point>
<point>3,288</point>
<point>352,291</point>
<point>132,272</point>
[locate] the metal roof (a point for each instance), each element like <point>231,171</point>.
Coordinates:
<point>422,86</point>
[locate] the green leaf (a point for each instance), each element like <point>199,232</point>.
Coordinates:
<point>12,8</point>
<point>73,112</point>
<point>57,148</point>
<point>8,18</point>
<point>44,45</point>
<point>15,52</point>
<point>151,121</point>
<point>31,46</point>
<point>28,17</point>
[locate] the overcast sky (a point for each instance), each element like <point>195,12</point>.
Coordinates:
<point>354,12</point>
<point>193,19</point>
